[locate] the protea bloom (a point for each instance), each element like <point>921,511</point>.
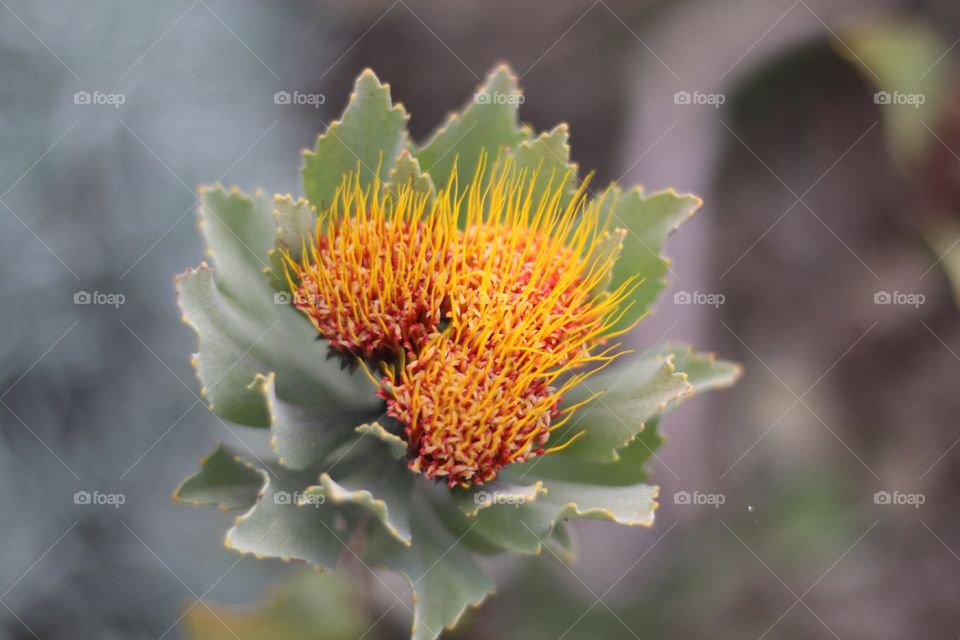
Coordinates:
<point>376,275</point>
<point>478,332</point>
<point>480,319</point>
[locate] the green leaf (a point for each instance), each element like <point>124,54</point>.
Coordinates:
<point>381,487</point>
<point>648,221</point>
<point>487,123</point>
<point>448,509</point>
<point>630,505</point>
<point>627,469</point>
<point>295,225</point>
<point>550,153</point>
<point>239,232</point>
<point>499,492</point>
<point>630,396</point>
<point>244,329</point>
<point>609,247</point>
<point>554,488</point>
<point>524,528</point>
<point>369,475</point>
<point>704,372</point>
<point>562,542</point>
<point>304,434</point>
<point>407,172</point>
<point>224,481</point>
<point>236,346</point>
<point>283,524</point>
<point>370,134</point>
<point>566,488</point>
<point>293,609</point>
<point>397,445</point>
<point>225,335</point>
<point>445,577</point>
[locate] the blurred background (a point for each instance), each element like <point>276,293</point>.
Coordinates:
<point>817,499</point>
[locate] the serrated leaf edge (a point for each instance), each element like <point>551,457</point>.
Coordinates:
<point>534,490</point>
<point>175,495</point>
<point>337,494</point>
<point>686,391</point>
<point>454,115</point>
<point>364,76</point>
<point>377,430</point>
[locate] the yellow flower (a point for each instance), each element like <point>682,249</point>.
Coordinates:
<point>477,332</point>
<point>375,280</point>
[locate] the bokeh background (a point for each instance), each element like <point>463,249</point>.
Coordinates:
<point>825,260</point>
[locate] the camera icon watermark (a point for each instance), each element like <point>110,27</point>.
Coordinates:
<point>498,97</point>
<point>98,98</point>
<point>99,298</point>
<point>715,100</point>
<point>899,298</point>
<point>886,98</point>
<point>299,98</point>
<point>96,498</point>
<point>487,498</point>
<point>299,499</point>
<point>699,498</point>
<point>297,298</point>
<point>698,297</point>
<point>899,498</point>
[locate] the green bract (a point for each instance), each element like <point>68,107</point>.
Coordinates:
<point>337,466</point>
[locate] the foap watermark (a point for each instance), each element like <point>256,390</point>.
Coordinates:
<point>296,298</point>
<point>910,99</point>
<point>99,298</point>
<point>899,498</point>
<point>494,298</point>
<point>714,100</point>
<point>899,298</point>
<point>699,297</point>
<point>97,498</point>
<point>299,98</point>
<point>99,98</point>
<point>299,498</point>
<point>485,498</point>
<point>498,97</point>
<point>699,498</point>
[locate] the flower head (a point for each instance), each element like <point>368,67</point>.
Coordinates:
<point>477,332</point>
<point>374,279</point>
